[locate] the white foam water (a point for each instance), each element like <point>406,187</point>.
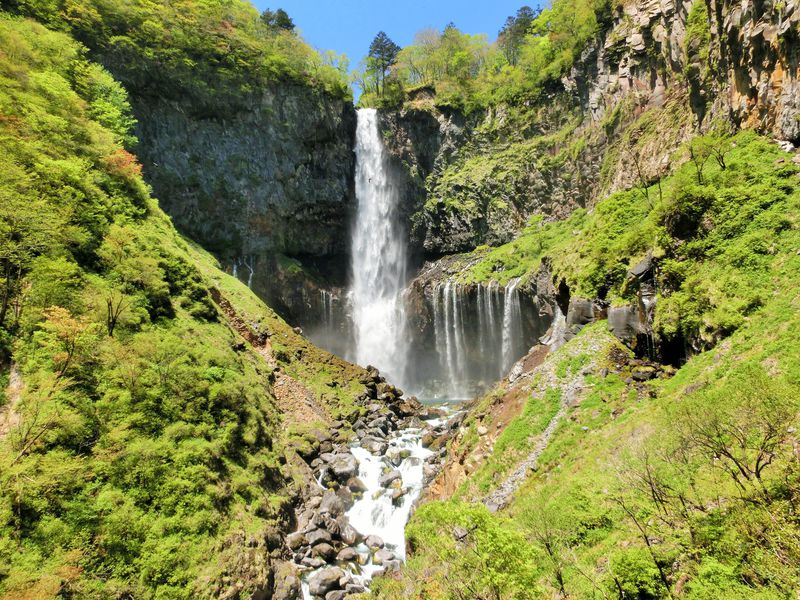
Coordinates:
<point>379,257</point>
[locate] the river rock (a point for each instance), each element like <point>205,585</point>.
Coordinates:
<point>391,566</point>
<point>324,551</point>
<point>346,497</point>
<point>355,485</point>
<point>331,504</point>
<point>349,535</point>
<point>318,536</point>
<point>379,423</point>
<point>374,542</point>
<point>336,595</point>
<point>347,555</point>
<point>374,445</point>
<point>343,466</point>
<point>324,581</point>
<point>295,540</point>
<point>331,525</point>
<point>382,556</point>
<point>313,563</point>
<point>390,477</point>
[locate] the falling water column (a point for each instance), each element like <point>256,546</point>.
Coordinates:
<point>512,323</point>
<point>379,257</point>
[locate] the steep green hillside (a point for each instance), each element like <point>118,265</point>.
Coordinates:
<point>141,452</point>
<point>676,487</point>
<point>215,52</point>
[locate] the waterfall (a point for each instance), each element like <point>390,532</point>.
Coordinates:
<point>379,256</point>
<point>512,322</point>
<point>249,263</point>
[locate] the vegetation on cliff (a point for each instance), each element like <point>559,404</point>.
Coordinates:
<point>532,52</point>
<point>216,53</point>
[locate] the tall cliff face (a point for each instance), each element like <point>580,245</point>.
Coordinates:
<point>659,71</point>
<point>272,177</point>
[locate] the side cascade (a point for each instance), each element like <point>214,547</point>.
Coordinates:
<point>478,335</point>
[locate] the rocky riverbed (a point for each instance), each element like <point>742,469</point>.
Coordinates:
<point>368,475</point>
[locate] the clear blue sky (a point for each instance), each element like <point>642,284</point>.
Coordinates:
<point>348,26</point>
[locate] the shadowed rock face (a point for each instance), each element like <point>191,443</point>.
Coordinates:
<point>272,177</point>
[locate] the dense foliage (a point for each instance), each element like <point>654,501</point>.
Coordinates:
<point>532,52</point>
<point>216,52</point>
<point>717,229</point>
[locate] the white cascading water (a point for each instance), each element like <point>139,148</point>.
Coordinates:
<point>512,317</point>
<point>375,513</point>
<point>379,257</point>
<point>476,348</point>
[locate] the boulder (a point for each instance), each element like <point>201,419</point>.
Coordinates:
<point>346,497</point>
<point>318,536</point>
<point>347,555</point>
<point>382,557</point>
<point>324,581</point>
<point>374,542</point>
<point>644,373</point>
<point>397,496</point>
<point>355,588</point>
<point>336,595</point>
<point>390,477</point>
<point>295,540</point>
<point>331,504</point>
<point>355,485</point>
<point>313,563</point>
<point>374,445</point>
<point>349,535</point>
<point>287,583</point>
<point>324,551</point>
<point>343,466</point>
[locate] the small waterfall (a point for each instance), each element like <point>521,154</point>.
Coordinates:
<point>379,257</point>
<point>512,324</point>
<point>450,334</point>
<point>478,335</point>
<point>556,335</point>
<point>326,300</point>
<point>249,263</point>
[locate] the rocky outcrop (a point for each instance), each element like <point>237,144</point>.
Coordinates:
<point>637,92</point>
<point>274,176</point>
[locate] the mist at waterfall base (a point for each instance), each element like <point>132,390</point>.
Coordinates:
<point>446,340</point>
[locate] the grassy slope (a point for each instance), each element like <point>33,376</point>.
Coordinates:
<point>655,465</point>
<point>150,462</point>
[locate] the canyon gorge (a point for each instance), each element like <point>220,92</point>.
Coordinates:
<point>522,329</point>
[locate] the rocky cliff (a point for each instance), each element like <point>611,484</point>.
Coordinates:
<point>274,177</point>
<point>655,74</point>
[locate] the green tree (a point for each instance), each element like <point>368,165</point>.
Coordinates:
<point>512,35</point>
<point>278,19</point>
<point>382,55</point>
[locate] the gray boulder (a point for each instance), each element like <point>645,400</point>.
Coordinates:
<point>389,478</point>
<point>318,536</point>
<point>343,467</point>
<point>324,581</point>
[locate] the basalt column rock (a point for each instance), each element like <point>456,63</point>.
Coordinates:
<point>270,176</point>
